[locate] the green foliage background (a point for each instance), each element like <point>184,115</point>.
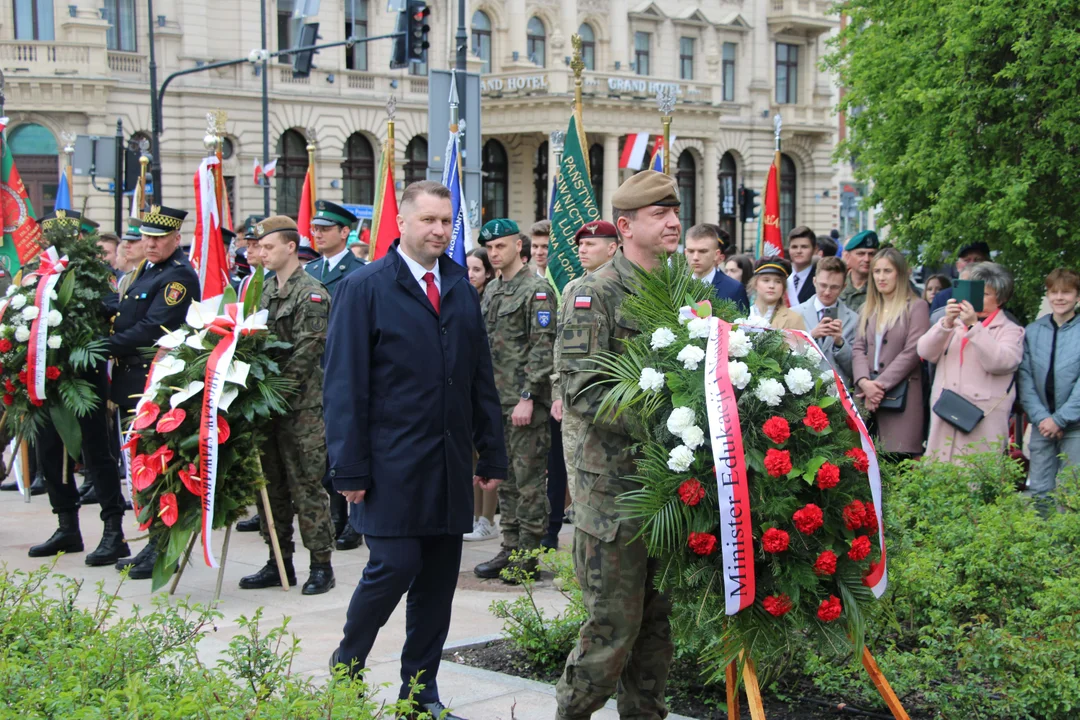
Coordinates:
<point>963,115</point>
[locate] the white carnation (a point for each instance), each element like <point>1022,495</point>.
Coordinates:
<point>699,328</point>
<point>680,459</point>
<point>651,380</point>
<point>4,330</point>
<point>55,318</point>
<point>741,321</point>
<point>30,313</point>
<point>827,377</point>
<point>738,344</point>
<point>691,356</point>
<point>693,437</point>
<point>17,320</point>
<point>680,419</point>
<point>799,381</point>
<point>662,338</point>
<point>12,289</point>
<point>52,295</point>
<point>18,301</point>
<point>54,342</point>
<point>769,391</point>
<point>739,374</point>
<point>810,352</point>
<point>22,334</point>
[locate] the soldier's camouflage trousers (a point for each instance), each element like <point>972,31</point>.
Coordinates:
<point>573,430</point>
<point>523,500</point>
<point>294,461</point>
<point>625,644</point>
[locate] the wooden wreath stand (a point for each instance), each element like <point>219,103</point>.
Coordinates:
<point>753,691</point>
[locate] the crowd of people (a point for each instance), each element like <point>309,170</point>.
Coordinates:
<point>432,398</point>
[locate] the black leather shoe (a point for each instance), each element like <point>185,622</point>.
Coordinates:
<point>86,487</point>
<point>268,577</point>
<point>124,562</point>
<point>530,567</point>
<point>493,567</point>
<point>67,537</point>
<point>38,486</point>
<point>250,524</point>
<point>112,546</point>
<point>91,497</point>
<point>349,539</point>
<point>9,485</point>
<point>436,710</point>
<point>144,568</point>
<point>321,580</point>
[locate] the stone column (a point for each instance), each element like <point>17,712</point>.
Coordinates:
<point>620,35</point>
<point>711,183</point>
<point>568,18</point>
<point>611,173</point>
<point>516,37</point>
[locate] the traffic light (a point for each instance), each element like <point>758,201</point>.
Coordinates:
<point>302,61</point>
<point>748,204</point>
<point>412,45</point>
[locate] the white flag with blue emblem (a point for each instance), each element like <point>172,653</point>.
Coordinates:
<point>461,235</point>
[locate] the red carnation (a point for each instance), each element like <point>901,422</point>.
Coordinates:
<point>855,515</point>
<point>22,376</point>
<point>860,548</point>
<point>9,399</point>
<point>829,609</point>
<point>8,385</point>
<point>775,540</point>
<point>825,563</point>
<point>171,420</point>
<point>777,429</point>
<point>816,419</point>
<point>191,480</point>
<point>808,519</point>
<point>691,492</point>
<point>862,463</point>
<point>143,474</point>
<point>873,569</point>
<point>223,430</point>
<point>828,476</point>
<point>170,511</point>
<point>5,345</point>
<point>702,543</point>
<point>148,415</point>
<point>777,605</point>
<point>870,519</point>
<point>777,462</point>
<point>52,372</point>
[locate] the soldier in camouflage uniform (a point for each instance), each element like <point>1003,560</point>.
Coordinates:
<point>520,313</point>
<point>625,644</point>
<point>857,254</point>
<point>294,455</point>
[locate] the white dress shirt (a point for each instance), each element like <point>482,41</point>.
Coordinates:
<point>804,277</point>
<point>419,271</point>
<point>332,261</point>
<point>709,277</point>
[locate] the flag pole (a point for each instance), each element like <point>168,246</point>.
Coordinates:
<point>665,102</point>
<point>777,126</point>
<point>311,166</point>
<point>391,110</point>
<point>219,178</point>
<point>578,66</point>
<point>144,161</point>
<point>69,152</point>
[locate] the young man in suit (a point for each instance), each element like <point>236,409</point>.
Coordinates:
<point>833,335</point>
<point>802,244</point>
<point>704,249</point>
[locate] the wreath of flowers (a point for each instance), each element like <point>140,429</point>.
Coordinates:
<point>814,525</point>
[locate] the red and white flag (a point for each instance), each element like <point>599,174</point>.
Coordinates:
<point>268,171</point>
<point>208,254</point>
<point>634,150</point>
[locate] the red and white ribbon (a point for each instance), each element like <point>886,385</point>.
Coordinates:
<point>732,483</point>
<point>49,274</point>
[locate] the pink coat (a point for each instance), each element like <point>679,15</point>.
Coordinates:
<point>991,357</point>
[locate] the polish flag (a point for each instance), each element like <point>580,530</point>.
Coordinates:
<point>268,171</point>
<point>634,150</point>
<point>258,170</point>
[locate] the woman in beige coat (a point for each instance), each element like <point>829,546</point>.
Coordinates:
<point>770,285</point>
<point>977,355</point>
<point>884,356</point>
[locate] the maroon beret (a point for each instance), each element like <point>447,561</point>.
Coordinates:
<point>597,228</point>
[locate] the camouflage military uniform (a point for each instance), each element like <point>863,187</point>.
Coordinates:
<point>294,456</point>
<point>854,297</point>
<point>521,319</point>
<point>625,644</point>
<point>573,424</point>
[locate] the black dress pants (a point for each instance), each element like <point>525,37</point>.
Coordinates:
<point>556,487</point>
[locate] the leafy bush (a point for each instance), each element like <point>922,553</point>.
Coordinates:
<point>60,661</point>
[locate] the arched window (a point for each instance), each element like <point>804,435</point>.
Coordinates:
<point>729,202</point>
<point>495,172</point>
<point>596,173</point>
<point>787,195</point>
<point>588,46</point>
<point>536,41</point>
<point>481,39</point>
<point>416,160</point>
<point>686,175</point>
<point>541,186</point>
<point>38,163</point>
<point>31,139</point>
<point>359,171</point>
<point>291,169</point>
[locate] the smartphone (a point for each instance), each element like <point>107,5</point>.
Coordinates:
<point>832,313</point>
<point>970,290</point>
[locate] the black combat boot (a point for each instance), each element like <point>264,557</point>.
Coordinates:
<point>38,486</point>
<point>9,485</point>
<point>87,486</point>
<point>269,577</point>
<point>112,546</point>
<point>126,561</point>
<point>250,524</point>
<point>529,566</point>
<point>349,539</point>
<point>494,567</point>
<point>321,580</point>
<point>67,537</point>
<point>143,568</point>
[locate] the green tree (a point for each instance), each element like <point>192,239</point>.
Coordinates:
<point>963,115</point>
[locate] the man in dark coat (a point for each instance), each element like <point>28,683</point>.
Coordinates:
<point>409,392</point>
<point>704,250</point>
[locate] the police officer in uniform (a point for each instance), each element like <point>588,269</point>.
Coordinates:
<point>155,301</point>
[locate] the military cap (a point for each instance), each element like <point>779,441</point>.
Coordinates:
<point>772,266</point>
<point>328,214</point>
<point>597,229</point>
<point>273,224</point>
<point>646,188</point>
<point>975,247</point>
<point>227,236</point>
<point>88,226</point>
<point>498,228</point>
<point>249,227</point>
<point>131,231</point>
<point>865,240</point>
<point>306,253</point>
<point>162,221</point>
<point>69,219</point>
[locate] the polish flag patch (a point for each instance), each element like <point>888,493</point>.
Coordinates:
<point>582,302</point>
<point>316,298</point>
<point>541,296</point>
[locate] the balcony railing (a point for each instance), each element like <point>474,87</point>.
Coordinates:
<point>815,16</point>
<point>126,63</point>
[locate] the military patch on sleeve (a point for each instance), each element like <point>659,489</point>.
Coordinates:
<point>543,317</point>
<point>174,293</point>
<point>576,339</point>
<point>316,298</point>
<point>541,296</point>
<point>583,302</point>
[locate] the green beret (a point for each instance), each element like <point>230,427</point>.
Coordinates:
<point>646,188</point>
<point>865,240</point>
<point>498,228</point>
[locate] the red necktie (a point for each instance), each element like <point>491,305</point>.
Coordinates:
<point>432,291</point>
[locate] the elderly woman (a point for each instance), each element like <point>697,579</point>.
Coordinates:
<point>977,354</point>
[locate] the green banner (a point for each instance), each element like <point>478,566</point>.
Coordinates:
<point>22,236</point>
<point>575,205</point>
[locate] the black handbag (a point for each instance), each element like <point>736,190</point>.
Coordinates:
<point>960,412</point>
<point>895,399</point>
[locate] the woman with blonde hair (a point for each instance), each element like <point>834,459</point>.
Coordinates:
<point>769,307</point>
<point>885,359</point>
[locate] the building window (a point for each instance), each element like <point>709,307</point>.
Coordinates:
<point>686,175</point>
<point>495,174</point>
<point>596,173</point>
<point>728,69</point>
<point>588,46</point>
<point>359,171</point>
<point>728,195</point>
<point>416,160</point>
<point>356,57</point>
<point>686,58</point>
<point>787,195</point>
<point>536,38</point>
<point>291,169</point>
<point>481,39</point>
<point>121,17</point>
<point>34,20</point>
<point>286,29</point>
<point>642,41</point>
<point>787,73</point>
<point>540,182</point>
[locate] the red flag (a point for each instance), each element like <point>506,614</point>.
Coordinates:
<point>208,254</point>
<point>258,171</point>
<point>385,230</point>
<point>772,242</point>
<point>307,210</point>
